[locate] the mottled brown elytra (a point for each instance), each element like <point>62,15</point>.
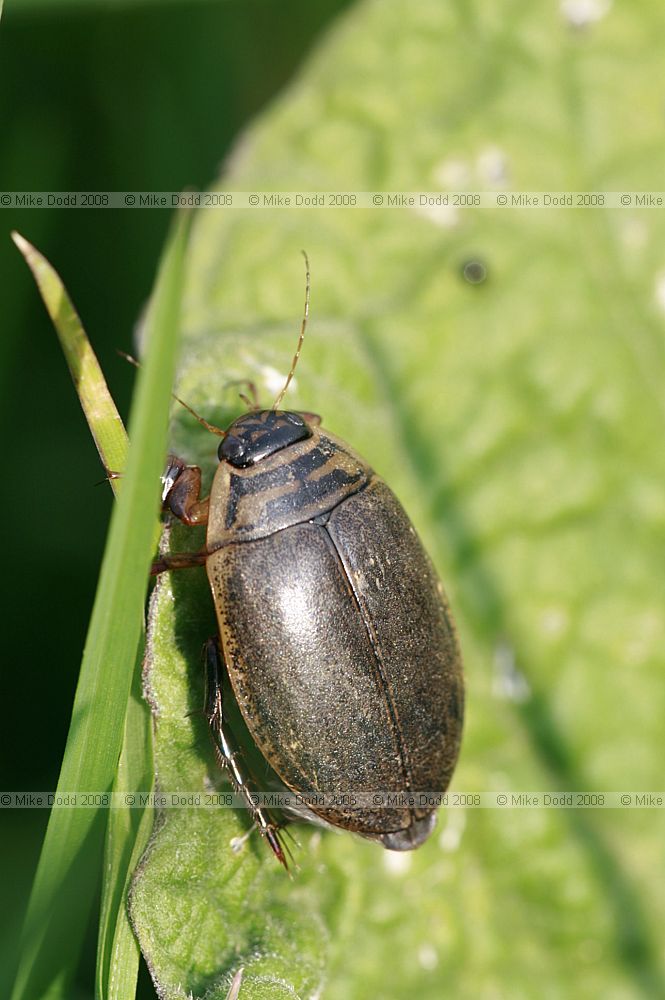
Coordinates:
<point>333,627</point>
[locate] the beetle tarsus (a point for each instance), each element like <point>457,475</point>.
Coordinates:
<point>109,477</point>
<point>253,403</point>
<point>272,836</point>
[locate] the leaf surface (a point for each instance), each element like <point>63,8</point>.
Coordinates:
<point>520,422</point>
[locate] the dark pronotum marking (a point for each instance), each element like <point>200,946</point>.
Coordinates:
<point>292,477</point>
<point>313,490</point>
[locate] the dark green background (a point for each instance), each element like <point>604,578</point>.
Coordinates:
<point>136,97</point>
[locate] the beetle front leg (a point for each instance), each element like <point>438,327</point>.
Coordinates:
<point>181,493</point>
<point>227,752</point>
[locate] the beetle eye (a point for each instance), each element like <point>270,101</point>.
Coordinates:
<point>231,449</point>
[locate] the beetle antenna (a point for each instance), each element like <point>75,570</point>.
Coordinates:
<point>303,327</point>
<point>209,427</point>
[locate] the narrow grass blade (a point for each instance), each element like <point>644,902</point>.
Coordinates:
<point>129,828</point>
<point>100,411</point>
<point>135,766</point>
<point>67,875</point>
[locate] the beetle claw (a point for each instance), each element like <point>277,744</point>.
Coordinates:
<point>272,837</point>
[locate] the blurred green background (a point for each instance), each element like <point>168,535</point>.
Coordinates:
<point>94,96</point>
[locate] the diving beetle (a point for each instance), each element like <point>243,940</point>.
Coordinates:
<point>334,629</point>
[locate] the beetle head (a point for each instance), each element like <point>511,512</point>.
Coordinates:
<point>261,433</point>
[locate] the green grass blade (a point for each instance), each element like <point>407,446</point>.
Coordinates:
<point>128,829</point>
<point>100,411</point>
<point>66,877</point>
<point>127,835</point>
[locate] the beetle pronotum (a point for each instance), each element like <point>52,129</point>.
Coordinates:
<point>333,626</point>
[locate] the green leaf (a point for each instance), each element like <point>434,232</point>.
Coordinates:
<point>520,421</point>
<point>67,875</point>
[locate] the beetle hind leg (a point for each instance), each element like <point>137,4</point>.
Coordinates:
<point>229,755</point>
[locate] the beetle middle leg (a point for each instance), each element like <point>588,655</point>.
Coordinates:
<point>227,752</point>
